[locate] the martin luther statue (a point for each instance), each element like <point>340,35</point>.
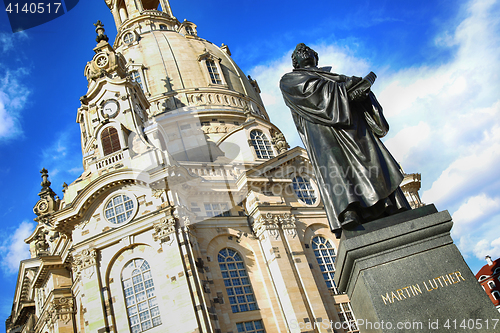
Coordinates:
<point>340,123</point>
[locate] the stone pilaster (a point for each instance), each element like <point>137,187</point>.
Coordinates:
<point>85,269</point>
<point>271,229</point>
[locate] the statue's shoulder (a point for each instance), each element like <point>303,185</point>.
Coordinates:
<point>297,74</point>
<point>291,79</point>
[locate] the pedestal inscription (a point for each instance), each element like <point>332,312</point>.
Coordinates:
<point>403,273</point>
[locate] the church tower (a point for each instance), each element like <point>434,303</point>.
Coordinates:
<point>192,213</point>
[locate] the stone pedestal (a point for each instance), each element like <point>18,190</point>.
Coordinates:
<point>404,274</point>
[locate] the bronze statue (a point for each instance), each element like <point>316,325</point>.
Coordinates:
<point>340,123</point>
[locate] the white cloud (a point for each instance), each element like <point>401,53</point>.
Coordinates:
<point>14,249</point>
<point>472,213</point>
<point>487,247</point>
<point>13,97</point>
<point>8,40</point>
<point>401,144</point>
<point>13,94</point>
<point>471,171</point>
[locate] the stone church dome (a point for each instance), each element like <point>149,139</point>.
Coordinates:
<point>175,66</point>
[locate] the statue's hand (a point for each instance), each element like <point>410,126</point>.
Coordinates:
<point>359,95</point>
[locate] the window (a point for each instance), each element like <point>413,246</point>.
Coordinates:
<point>189,30</point>
<point>491,284</point>
<point>346,316</point>
<point>261,144</point>
<point>496,295</point>
<point>304,190</point>
<point>325,255</point>
<point>236,280</point>
<point>128,38</point>
<point>110,140</point>
<point>163,27</point>
<point>137,78</point>
<point>217,209</point>
<point>251,327</point>
<point>138,287</point>
<point>119,209</point>
<point>213,71</point>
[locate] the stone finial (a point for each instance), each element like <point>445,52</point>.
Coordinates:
<point>99,29</point>
<point>489,261</point>
<point>45,184</point>
<point>45,181</point>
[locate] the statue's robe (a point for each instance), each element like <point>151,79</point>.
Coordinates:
<point>353,168</point>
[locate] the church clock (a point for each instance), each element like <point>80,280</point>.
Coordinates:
<point>110,108</point>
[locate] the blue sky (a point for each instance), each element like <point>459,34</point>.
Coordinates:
<point>438,79</point>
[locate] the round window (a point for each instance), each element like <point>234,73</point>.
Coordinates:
<point>304,190</point>
<point>119,209</point>
<point>128,38</point>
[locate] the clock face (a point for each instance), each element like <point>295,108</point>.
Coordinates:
<point>110,108</point>
<point>42,206</point>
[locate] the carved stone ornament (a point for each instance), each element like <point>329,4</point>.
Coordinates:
<point>288,224</point>
<point>85,259</point>
<point>41,244</point>
<point>61,309</point>
<point>271,223</point>
<point>164,228</point>
<point>268,224</point>
<point>280,143</point>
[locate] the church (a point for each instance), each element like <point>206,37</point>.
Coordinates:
<point>192,214</point>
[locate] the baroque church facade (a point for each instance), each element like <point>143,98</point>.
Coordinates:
<point>192,214</point>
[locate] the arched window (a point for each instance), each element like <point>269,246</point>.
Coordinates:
<point>137,78</point>
<point>496,295</point>
<point>110,140</point>
<point>261,144</point>
<point>189,30</point>
<point>304,190</point>
<point>213,71</point>
<point>491,284</point>
<point>325,255</point>
<point>236,280</point>
<point>140,298</point>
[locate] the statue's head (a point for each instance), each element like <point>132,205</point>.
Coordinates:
<point>303,56</point>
